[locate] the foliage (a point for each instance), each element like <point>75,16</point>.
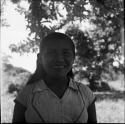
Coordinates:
<point>96,49</point>
<point>42,14</point>
<point>109,19</point>
<point>3,21</point>
<point>13,78</point>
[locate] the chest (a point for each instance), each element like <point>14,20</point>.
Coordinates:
<point>59,92</point>
<point>45,106</point>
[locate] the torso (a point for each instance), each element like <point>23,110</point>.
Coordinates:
<point>51,108</point>
<point>66,109</point>
<point>58,89</point>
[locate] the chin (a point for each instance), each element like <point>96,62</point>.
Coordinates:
<point>58,76</point>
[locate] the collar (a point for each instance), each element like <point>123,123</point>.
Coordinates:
<point>73,84</point>
<point>41,86</point>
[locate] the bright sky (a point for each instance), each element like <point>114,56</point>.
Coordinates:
<point>15,33</point>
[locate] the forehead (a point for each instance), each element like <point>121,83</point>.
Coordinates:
<point>58,44</point>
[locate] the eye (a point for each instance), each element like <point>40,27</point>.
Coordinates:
<point>51,53</point>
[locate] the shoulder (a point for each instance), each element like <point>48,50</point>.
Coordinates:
<point>24,95</point>
<point>84,88</point>
<point>87,93</point>
<point>27,90</point>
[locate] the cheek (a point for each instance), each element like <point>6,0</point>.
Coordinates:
<point>46,61</point>
<point>70,61</point>
<point>43,60</point>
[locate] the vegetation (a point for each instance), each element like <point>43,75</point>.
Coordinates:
<point>14,78</point>
<point>96,48</point>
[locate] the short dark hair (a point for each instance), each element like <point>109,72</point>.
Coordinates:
<point>39,72</point>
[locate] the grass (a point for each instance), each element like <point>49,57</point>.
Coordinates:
<point>109,111</point>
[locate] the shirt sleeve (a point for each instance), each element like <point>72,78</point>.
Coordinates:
<point>88,95</point>
<point>23,96</point>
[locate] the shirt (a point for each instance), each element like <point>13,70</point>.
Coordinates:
<point>43,106</point>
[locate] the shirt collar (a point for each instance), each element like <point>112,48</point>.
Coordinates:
<point>40,86</point>
<point>72,84</point>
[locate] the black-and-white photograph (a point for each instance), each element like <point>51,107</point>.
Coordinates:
<point>62,61</point>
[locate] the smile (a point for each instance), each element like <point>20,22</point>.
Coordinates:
<point>58,67</point>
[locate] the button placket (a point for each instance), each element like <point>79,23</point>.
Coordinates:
<point>61,111</point>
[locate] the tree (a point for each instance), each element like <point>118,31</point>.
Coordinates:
<point>96,49</point>
<point>42,13</point>
<point>109,18</point>
<point>3,21</point>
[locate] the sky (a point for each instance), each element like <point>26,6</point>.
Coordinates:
<point>15,33</point>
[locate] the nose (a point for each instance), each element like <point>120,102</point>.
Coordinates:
<point>59,57</point>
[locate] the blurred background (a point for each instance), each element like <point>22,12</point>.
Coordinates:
<point>97,29</point>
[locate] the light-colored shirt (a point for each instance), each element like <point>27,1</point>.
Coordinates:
<point>43,106</point>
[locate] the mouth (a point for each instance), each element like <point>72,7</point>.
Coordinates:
<point>59,67</point>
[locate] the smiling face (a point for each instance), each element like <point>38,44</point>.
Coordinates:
<point>57,57</point>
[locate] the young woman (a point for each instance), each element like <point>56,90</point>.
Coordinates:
<point>51,95</point>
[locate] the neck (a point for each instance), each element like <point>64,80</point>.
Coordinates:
<point>51,81</point>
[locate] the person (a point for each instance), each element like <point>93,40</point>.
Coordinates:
<point>52,95</point>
